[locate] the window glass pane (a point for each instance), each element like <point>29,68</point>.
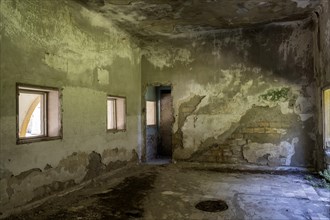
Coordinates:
<point>31,114</point>
<point>151,113</point>
<point>111,114</point>
<point>120,113</point>
<point>326,99</point>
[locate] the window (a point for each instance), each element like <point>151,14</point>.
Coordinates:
<point>116,113</point>
<point>151,113</point>
<point>38,114</point>
<point>326,104</point>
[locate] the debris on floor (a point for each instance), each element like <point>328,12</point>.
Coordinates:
<point>172,192</point>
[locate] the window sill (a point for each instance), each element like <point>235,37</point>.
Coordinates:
<point>115,131</point>
<point>37,139</point>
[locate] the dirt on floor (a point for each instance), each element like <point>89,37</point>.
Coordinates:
<point>122,201</point>
<point>172,192</point>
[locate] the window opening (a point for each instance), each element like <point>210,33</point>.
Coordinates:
<point>32,112</point>
<point>151,112</point>
<point>38,114</point>
<point>116,113</point>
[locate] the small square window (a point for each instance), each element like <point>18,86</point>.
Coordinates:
<point>151,112</point>
<point>38,114</point>
<point>116,113</point>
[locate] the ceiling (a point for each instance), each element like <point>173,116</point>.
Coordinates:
<point>161,18</point>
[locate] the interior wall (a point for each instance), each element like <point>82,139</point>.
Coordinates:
<point>241,96</point>
<point>61,44</point>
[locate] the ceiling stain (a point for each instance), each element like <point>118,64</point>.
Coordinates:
<point>160,18</point>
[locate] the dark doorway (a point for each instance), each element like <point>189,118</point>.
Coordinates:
<point>159,121</point>
<point>165,123</point>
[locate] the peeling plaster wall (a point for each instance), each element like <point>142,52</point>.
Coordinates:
<point>244,96</point>
<point>61,44</point>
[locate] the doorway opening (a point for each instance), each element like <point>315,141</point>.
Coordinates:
<point>159,122</point>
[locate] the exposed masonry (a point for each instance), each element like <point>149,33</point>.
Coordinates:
<point>258,139</point>
<point>275,122</point>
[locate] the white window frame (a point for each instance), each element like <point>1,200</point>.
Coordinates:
<point>116,113</point>
<point>45,121</point>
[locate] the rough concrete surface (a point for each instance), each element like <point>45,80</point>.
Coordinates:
<point>172,191</point>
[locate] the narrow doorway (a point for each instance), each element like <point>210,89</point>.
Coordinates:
<point>159,122</point>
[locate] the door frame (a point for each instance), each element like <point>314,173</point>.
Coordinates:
<point>143,156</point>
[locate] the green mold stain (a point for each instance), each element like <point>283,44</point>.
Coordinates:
<point>275,95</point>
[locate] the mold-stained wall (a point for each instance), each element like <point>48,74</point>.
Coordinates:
<point>61,44</point>
<point>242,96</point>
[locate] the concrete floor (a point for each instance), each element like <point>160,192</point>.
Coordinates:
<point>172,191</point>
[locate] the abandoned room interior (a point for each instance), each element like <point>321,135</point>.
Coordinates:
<point>162,109</point>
